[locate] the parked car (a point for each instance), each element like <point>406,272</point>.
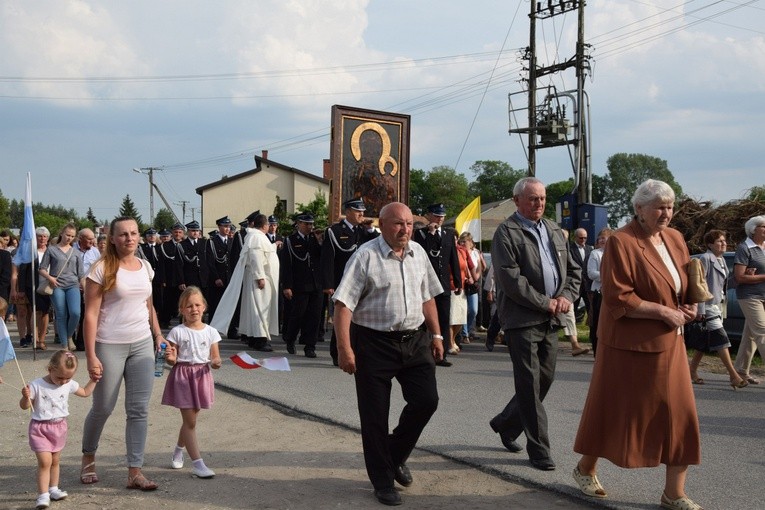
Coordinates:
<point>734,322</point>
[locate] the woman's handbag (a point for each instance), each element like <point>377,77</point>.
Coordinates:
<point>43,285</point>
<point>696,335</point>
<point>471,288</point>
<point>698,291</point>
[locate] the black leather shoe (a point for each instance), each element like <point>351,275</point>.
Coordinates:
<point>511,445</point>
<point>388,496</point>
<point>444,363</point>
<point>310,354</point>
<point>403,475</point>
<point>291,347</point>
<point>335,362</point>
<point>543,464</point>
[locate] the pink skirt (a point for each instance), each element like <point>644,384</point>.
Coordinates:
<point>189,387</point>
<point>48,436</point>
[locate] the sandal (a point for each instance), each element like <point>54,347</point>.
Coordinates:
<point>683,503</point>
<point>41,346</point>
<point>589,485</point>
<point>88,474</point>
<point>697,380</point>
<point>140,482</point>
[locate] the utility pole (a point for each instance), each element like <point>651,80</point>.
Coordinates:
<point>183,203</point>
<point>150,172</point>
<point>547,123</point>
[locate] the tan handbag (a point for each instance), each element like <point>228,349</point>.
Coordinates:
<point>698,291</point>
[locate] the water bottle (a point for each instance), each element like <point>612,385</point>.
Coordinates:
<point>159,362</point>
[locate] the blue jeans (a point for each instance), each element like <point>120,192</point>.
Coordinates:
<point>472,303</point>
<point>66,306</point>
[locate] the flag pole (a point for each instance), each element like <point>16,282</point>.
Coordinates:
<point>23,382</point>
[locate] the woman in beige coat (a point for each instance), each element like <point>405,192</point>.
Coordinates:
<point>640,410</point>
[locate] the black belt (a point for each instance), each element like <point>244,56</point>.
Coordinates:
<point>395,336</point>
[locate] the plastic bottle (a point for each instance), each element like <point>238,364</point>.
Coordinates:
<point>159,361</point>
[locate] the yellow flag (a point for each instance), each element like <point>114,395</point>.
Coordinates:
<point>469,220</point>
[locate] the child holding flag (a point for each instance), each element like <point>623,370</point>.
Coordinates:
<point>189,386</point>
<point>49,399</point>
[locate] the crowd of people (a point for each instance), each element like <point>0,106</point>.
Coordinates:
<point>112,298</point>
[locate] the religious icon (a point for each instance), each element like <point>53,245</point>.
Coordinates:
<point>370,158</point>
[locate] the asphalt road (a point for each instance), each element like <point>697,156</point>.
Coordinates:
<point>479,385</point>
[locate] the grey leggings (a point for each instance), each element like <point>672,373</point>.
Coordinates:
<point>135,363</point>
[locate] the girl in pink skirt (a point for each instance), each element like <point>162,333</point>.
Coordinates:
<point>49,399</point>
<point>189,386</point>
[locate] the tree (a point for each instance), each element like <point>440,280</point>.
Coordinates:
<point>625,173</point>
<point>16,213</point>
<point>442,185</point>
<point>417,190</point>
<point>91,218</point>
<point>164,219</point>
<point>127,209</point>
<point>5,213</point>
<point>494,180</point>
<point>555,191</point>
<point>756,194</point>
<point>317,207</point>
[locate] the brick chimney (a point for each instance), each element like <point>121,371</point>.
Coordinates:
<point>327,169</point>
<point>264,153</point>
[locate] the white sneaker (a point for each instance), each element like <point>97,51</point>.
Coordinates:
<point>203,472</point>
<point>57,494</point>
<point>43,501</point>
<point>177,464</point>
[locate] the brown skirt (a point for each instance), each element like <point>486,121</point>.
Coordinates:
<point>640,409</point>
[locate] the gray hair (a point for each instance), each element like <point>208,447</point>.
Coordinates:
<point>753,223</point>
<point>42,231</point>
<point>651,191</point>
<point>520,186</point>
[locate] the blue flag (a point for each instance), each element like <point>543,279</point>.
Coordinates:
<point>6,347</point>
<point>28,242</point>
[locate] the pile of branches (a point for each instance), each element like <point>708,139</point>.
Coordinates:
<point>694,219</point>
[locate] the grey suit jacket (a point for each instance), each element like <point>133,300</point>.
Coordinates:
<point>716,275</point>
<point>517,269</point>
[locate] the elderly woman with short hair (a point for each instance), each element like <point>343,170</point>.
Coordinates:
<point>749,271</point>
<point>640,409</point>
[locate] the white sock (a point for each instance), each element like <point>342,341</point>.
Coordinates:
<point>178,454</point>
<point>199,463</point>
<point>53,489</point>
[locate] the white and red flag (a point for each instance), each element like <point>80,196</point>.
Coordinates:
<point>244,360</point>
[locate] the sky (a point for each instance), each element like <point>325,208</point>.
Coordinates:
<point>90,90</point>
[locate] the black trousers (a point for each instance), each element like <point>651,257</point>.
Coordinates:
<point>595,301</point>
<point>533,351</point>
<point>169,310</point>
<point>443,307</point>
<point>304,318</point>
<point>380,357</point>
<point>213,293</point>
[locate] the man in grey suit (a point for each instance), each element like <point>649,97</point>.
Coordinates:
<point>537,280</point>
<point>580,252</point>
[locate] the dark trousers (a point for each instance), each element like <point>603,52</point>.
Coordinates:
<point>443,307</point>
<point>379,358</point>
<point>170,295</point>
<point>304,318</point>
<point>533,351</point>
<point>494,327</point>
<point>595,300</point>
<point>213,293</point>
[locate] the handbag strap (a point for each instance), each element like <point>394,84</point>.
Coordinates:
<point>71,249</point>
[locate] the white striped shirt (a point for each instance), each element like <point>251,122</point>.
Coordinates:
<point>385,292</point>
